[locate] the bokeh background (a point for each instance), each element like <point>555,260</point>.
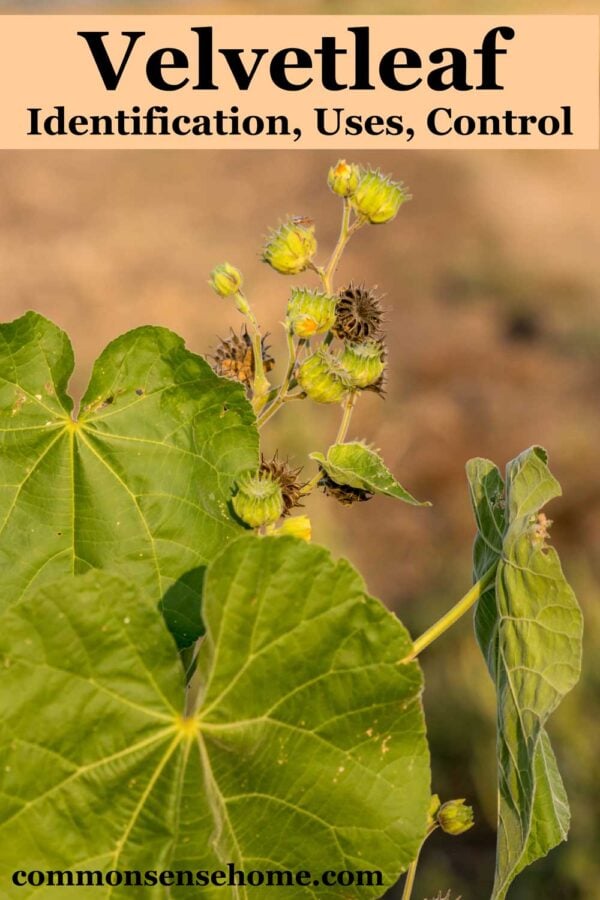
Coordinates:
<point>491,278</point>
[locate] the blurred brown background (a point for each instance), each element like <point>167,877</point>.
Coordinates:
<point>492,284</point>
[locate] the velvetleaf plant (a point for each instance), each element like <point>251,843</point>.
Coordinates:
<point>186,680</point>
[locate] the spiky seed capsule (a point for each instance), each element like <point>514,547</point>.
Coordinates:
<point>297,526</point>
<point>323,377</point>
<point>343,493</point>
<point>291,247</point>
<point>288,480</point>
<point>377,198</point>
<point>259,499</point>
<point>365,362</point>
<point>454,817</point>
<point>343,178</point>
<point>225,280</point>
<point>310,312</point>
<point>234,358</point>
<point>358,314</point>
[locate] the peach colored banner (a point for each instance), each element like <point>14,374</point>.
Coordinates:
<point>335,82</point>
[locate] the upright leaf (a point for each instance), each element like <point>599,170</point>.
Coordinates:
<point>305,749</point>
<point>529,629</point>
<point>138,485</point>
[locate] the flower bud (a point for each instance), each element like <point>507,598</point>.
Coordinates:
<point>454,817</point>
<point>225,280</point>
<point>343,178</point>
<point>258,500</point>
<point>297,526</point>
<point>378,198</point>
<point>365,362</point>
<point>291,247</point>
<point>324,378</point>
<point>310,312</point>
<point>434,807</point>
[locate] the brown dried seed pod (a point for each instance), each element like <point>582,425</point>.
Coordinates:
<point>359,315</point>
<point>291,486</point>
<point>234,357</point>
<point>343,493</point>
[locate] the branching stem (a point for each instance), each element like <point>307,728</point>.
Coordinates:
<point>454,614</point>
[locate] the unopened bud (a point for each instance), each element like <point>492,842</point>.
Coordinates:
<point>310,312</point>
<point>324,378</point>
<point>225,280</point>
<point>343,178</point>
<point>434,807</point>
<point>291,247</point>
<point>454,817</point>
<point>378,198</point>
<point>365,362</point>
<point>258,500</point>
<point>297,526</point>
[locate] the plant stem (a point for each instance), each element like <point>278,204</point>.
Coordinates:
<point>282,394</point>
<point>345,423</point>
<point>346,231</point>
<point>261,384</point>
<point>454,614</point>
<point>410,878</point>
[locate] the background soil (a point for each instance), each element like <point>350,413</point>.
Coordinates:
<point>491,278</point>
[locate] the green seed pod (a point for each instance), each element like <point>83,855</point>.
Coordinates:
<point>258,500</point>
<point>310,312</point>
<point>291,247</point>
<point>365,362</point>
<point>378,198</point>
<point>225,280</point>
<point>324,378</point>
<point>454,817</point>
<point>343,178</point>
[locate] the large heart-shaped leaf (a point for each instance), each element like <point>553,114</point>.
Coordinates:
<point>303,750</point>
<point>529,626</point>
<point>358,466</point>
<point>138,485</point>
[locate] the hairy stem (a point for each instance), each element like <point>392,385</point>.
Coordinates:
<point>260,384</point>
<point>454,614</point>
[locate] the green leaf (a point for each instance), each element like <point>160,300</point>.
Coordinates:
<point>305,749</point>
<point>139,485</point>
<point>529,628</point>
<point>358,466</point>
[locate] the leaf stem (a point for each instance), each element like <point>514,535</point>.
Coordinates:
<point>454,614</point>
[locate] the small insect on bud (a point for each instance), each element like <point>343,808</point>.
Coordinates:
<point>324,378</point>
<point>297,526</point>
<point>310,312</point>
<point>377,198</point>
<point>454,817</point>
<point>343,178</point>
<point>291,247</point>
<point>225,280</point>
<point>258,500</point>
<point>365,362</point>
